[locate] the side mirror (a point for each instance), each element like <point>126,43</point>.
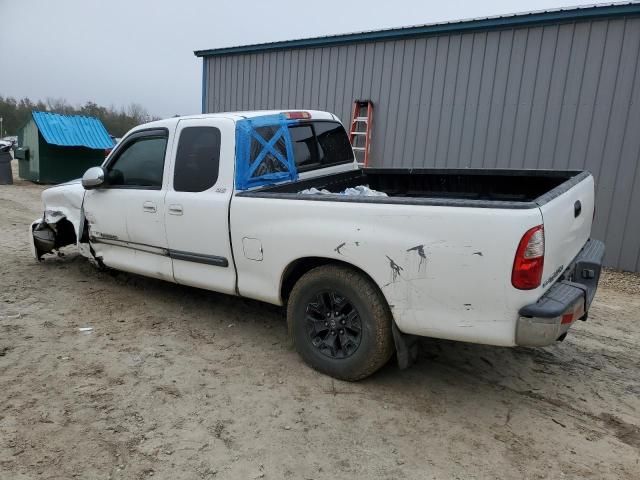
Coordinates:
<point>93,178</point>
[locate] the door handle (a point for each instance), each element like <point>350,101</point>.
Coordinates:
<point>577,208</point>
<point>175,209</point>
<point>149,207</point>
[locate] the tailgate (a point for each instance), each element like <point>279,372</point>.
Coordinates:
<point>567,219</point>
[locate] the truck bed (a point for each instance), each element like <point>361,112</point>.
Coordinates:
<point>488,188</point>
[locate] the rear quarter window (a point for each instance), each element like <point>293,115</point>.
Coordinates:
<point>197,160</point>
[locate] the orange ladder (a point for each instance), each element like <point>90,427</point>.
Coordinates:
<point>360,130</point>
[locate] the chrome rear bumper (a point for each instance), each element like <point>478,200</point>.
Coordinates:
<point>569,298</point>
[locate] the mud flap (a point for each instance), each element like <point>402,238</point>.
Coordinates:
<point>406,347</point>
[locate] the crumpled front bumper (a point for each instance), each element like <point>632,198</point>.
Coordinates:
<point>569,298</point>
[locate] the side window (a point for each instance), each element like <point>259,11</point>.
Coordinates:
<point>304,146</point>
<point>197,159</point>
<point>140,164</point>
<point>333,143</point>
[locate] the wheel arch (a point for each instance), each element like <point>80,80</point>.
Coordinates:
<point>297,268</point>
<point>406,345</point>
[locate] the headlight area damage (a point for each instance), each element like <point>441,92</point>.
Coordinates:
<point>62,223</point>
<point>52,234</point>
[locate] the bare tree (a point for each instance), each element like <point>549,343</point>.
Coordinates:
<point>138,113</point>
<point>15,113</point>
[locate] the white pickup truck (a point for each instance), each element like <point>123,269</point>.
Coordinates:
<point>500,257</point>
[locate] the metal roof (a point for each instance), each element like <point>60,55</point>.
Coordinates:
<point>72,130</point>
<point>504,21</point>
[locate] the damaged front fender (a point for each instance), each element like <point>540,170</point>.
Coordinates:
<point>63,221</point>
<point>64,202</point>
<point>32,243</point>
<point>44,237</point>
<point>47,237</point>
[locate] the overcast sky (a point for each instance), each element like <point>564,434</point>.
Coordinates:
<point>115,52</point>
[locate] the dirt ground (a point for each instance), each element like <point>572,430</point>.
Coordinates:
<point>180,383</point>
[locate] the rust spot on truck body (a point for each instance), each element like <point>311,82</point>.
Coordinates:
<point>395,269</point>
<point>419,249</point>
<point>337,249</point>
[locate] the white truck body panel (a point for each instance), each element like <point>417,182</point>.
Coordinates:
<point>460,289</point>
<point>445,271</point>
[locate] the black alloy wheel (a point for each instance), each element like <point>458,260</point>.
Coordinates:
<point>333,324</point>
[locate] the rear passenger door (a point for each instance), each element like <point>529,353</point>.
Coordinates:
<point>197,204</point>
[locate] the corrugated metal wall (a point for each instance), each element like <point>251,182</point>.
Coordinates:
<point>553,96</point>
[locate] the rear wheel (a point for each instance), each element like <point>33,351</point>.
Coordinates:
<point>340,322</point>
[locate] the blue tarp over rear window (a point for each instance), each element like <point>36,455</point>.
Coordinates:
<point>264,151</point>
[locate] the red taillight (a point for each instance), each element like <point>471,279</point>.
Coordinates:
<point>297,115</point>
<point>529,261</point>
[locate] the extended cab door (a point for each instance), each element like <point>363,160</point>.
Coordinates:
<point>126,214</point>
<point>197,214</point>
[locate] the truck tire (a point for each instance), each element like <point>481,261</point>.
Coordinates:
<point>340,322</point>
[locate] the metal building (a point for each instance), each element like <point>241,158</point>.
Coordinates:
<point>554,89</point>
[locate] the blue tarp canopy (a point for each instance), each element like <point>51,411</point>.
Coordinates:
<point>72,130</point>
<point>264,151</point>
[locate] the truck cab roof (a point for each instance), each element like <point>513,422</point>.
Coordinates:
<point>235,116</point>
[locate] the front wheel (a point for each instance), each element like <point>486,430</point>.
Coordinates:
<point>340,322</point>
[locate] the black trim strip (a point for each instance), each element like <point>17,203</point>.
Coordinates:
<point>271,192</point>
<point>435,202</point>
<point>562,188</point>
<point>143,247</point>
<point>214,260</point>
